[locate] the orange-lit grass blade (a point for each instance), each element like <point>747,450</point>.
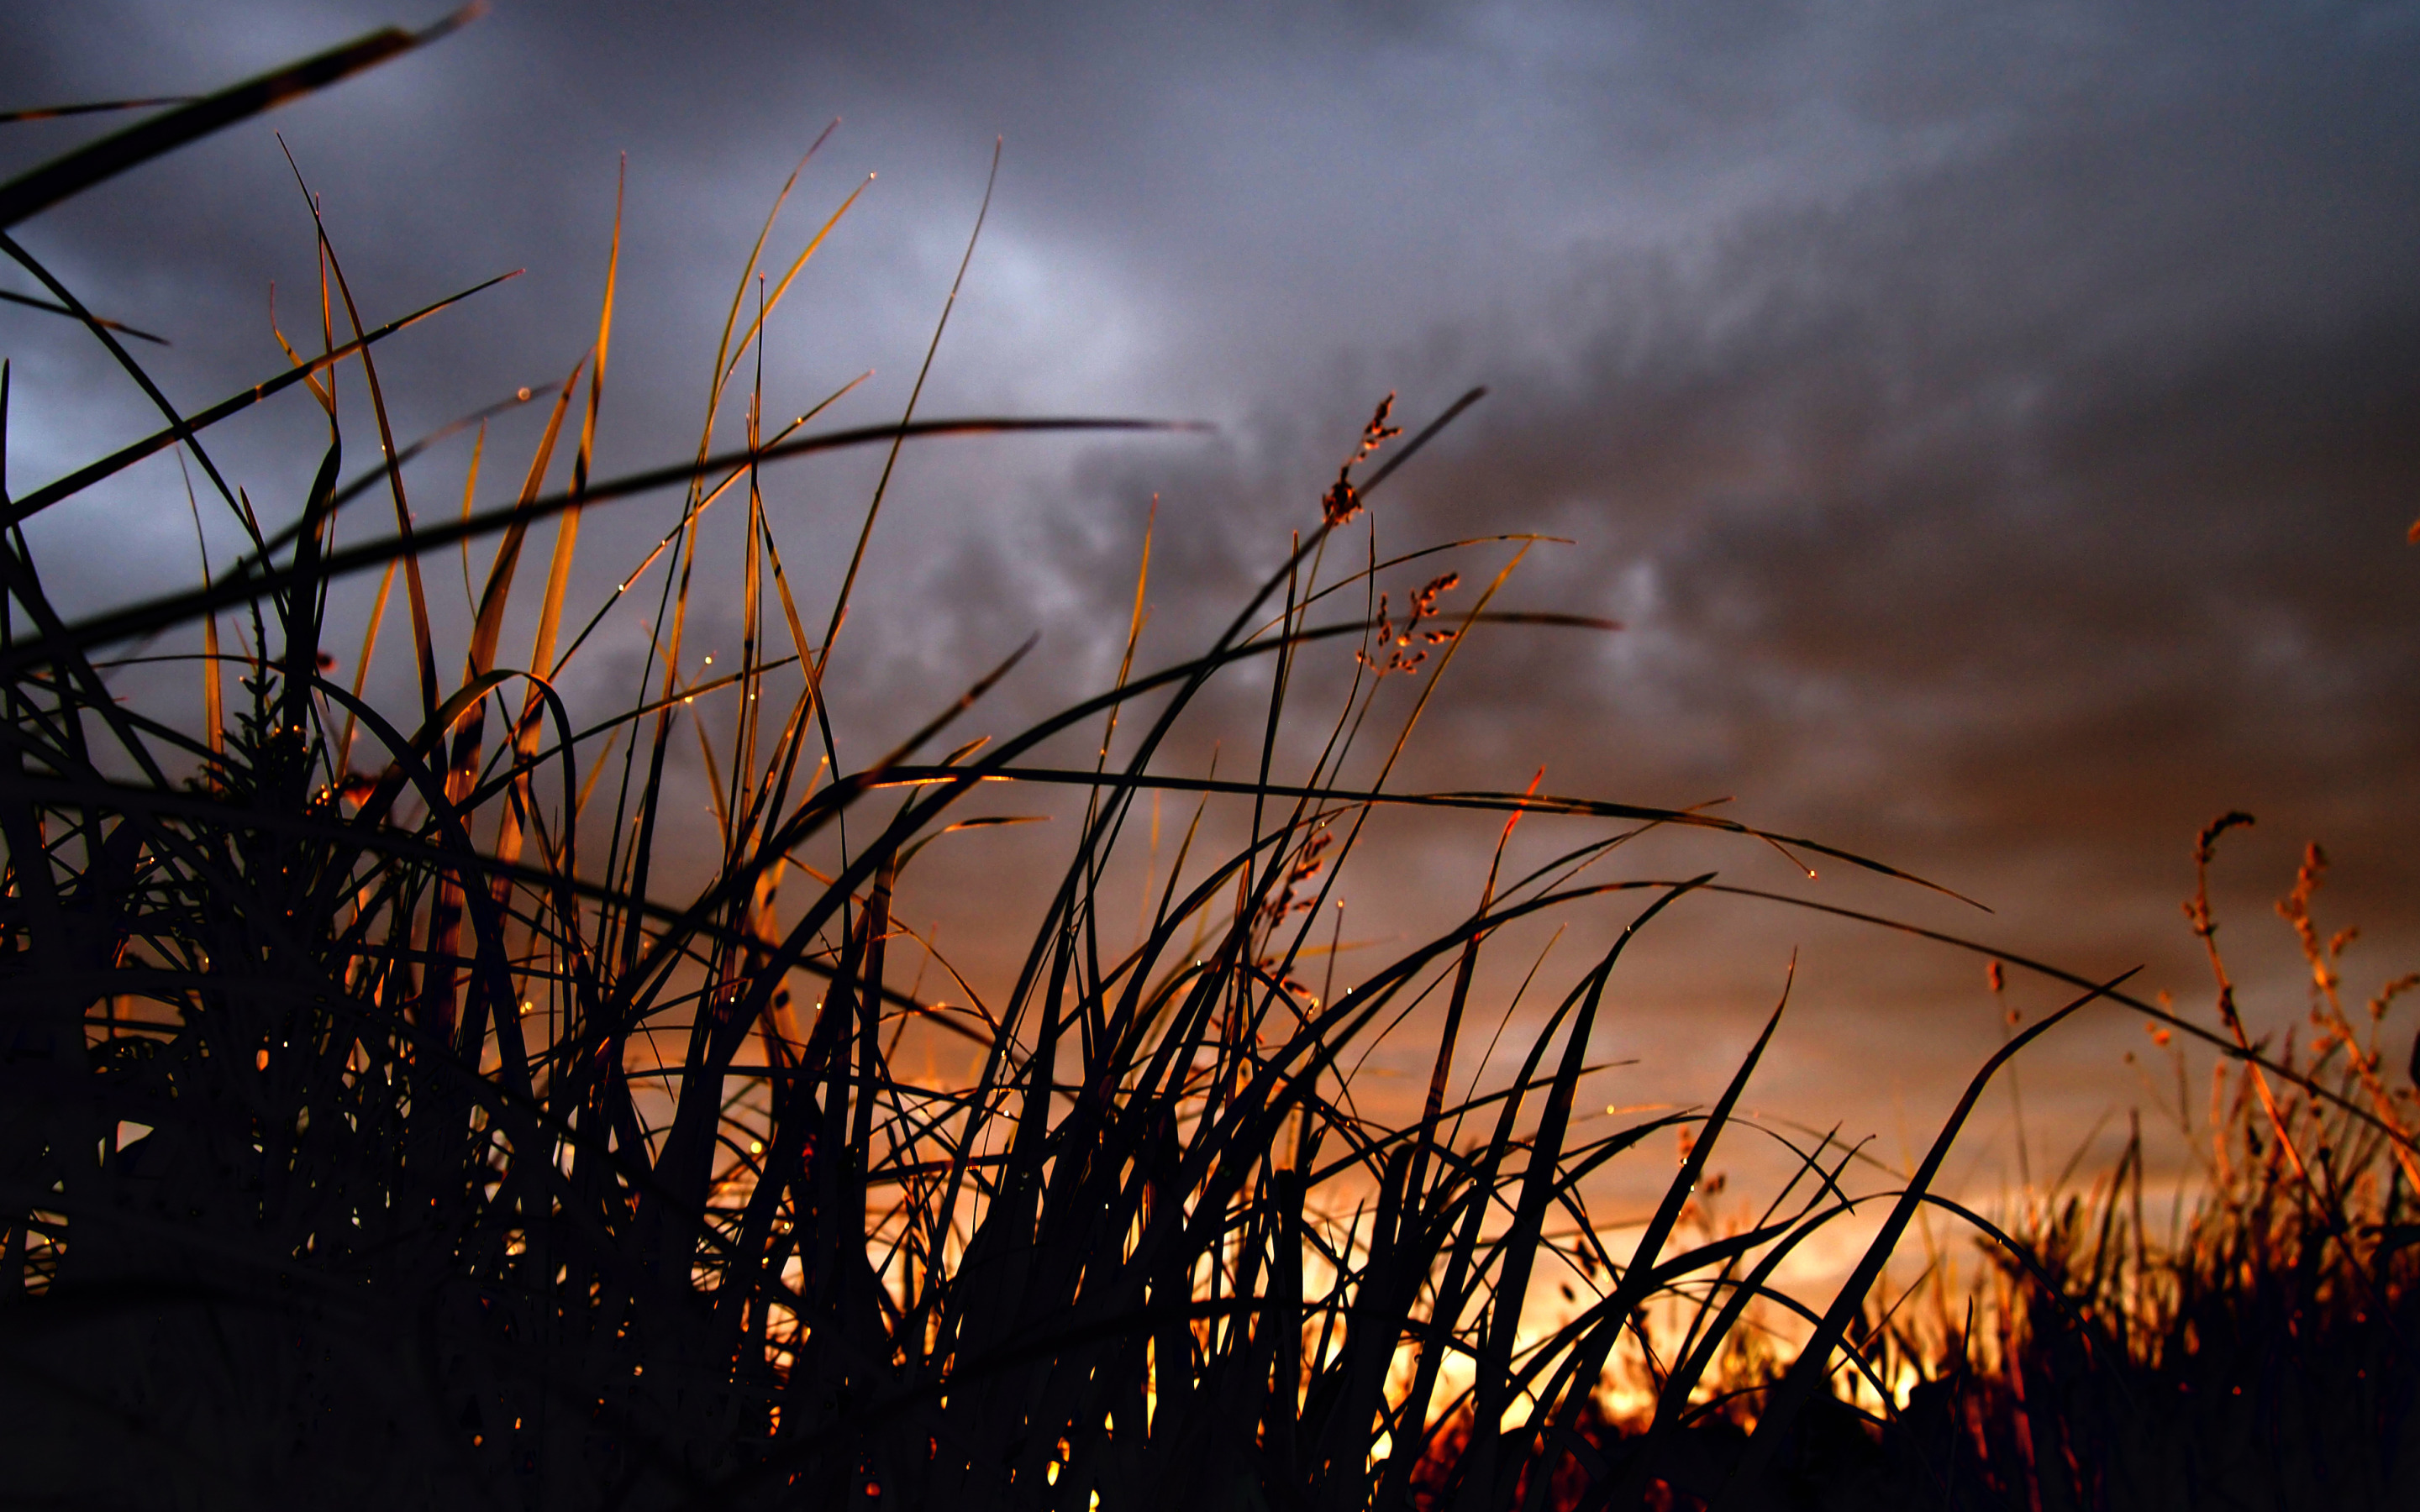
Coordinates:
<point>361,668</point>
<point>753,335</point>
<point>566,530</point>
<point>2197,912</point>
<point>377,476</point>
<point>386,579</point>
<point>715,792</point>
<point>622,719</point>
<point>588,784</point>
<point>526,731</point>
<point>752,611</point>
<point>213,713</point>
<point>90,107</point>
<point>324,394</point>
<point>487,629</point>
<point>470,497</point>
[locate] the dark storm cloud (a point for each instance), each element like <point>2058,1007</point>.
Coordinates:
<point>2045,495</point>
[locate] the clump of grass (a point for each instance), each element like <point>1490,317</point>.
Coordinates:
<point>2254,1350</point>
<point>373,1126</point>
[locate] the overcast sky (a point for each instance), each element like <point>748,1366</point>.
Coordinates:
<point>1996,428</point>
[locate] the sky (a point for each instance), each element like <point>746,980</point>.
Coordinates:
<point>1997,429</point>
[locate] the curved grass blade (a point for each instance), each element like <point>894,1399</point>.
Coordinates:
<point>119,326</point>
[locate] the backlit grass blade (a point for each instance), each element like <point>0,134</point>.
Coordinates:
<point>566,530</point>
<point>125,456</point>
<point>119,326</point>
<point>907,420</point>
<point>112,155</point>
<point>92,107</point>
<point>415,593</point>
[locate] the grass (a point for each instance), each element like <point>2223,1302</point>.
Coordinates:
<point>2256,1351</point>
<point>375,1126</point>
